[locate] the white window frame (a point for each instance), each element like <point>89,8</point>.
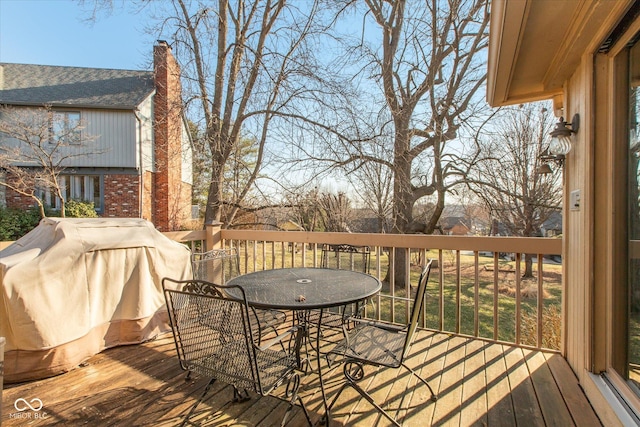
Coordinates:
<point>64,127</point>
<point>76,187</point>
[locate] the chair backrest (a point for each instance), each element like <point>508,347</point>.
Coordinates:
<point>216,265</point>
<point>212,333</point>
<point>346,257</point>
<point>418,303</point>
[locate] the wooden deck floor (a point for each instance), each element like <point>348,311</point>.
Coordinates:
<point>477,383</point>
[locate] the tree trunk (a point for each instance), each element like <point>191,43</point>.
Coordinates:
<point>213,212</point>
<point>528,266</point>
<point>403,201</point>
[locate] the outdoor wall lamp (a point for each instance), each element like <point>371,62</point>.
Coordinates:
<point>560,144</point>
<point>544,168</point>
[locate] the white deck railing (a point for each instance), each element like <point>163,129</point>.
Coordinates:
<point>474,291</point>
<point>469,293</point>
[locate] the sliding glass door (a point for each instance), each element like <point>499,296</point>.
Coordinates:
<point>628,355</point>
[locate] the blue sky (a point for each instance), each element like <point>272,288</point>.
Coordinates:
<point>52,32</point>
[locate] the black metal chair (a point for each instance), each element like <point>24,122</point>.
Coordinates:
<point>346,257</point>
<point>220,265</point>
<point>343,257</point>
<point>213,337</point>
<point>216,265</point>
<point>379,344</point>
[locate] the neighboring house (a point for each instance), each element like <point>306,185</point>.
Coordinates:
<point>463,220</point>
<point>454,226</point>
<point>585,56</point>
<point>290,225</point>
<point>552,227</point>
<point>144,169</point>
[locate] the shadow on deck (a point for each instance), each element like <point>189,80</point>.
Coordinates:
<point>477,382</point>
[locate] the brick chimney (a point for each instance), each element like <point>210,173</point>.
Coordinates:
<point>170,200</point>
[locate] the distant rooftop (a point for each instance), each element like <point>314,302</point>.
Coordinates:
<point>24,84</point>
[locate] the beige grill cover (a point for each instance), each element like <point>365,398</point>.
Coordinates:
<point>74,286</point>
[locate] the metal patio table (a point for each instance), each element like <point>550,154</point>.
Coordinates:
<point>303,289</point>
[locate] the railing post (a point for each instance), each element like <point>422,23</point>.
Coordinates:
<point>213,240</point>
<point>213,235</point>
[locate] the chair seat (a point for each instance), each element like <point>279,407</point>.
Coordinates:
<point>373,345</point>
<point>273,365</point>
<point>231,357</point>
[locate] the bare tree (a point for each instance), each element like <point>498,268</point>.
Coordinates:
<point>336,212</point>
<point>305,209</point>
<point>38,144</point>
<point>427,62</point>
<point>243,66</point>
<point>250,70</point>
<point>509,181</point>
<point>475,211</point>
<point>373,182</point>
<point>238,170</point>
<point>456,35</point>
<point>251,66</point>
<point>428,66</point>
<point>201,160</point>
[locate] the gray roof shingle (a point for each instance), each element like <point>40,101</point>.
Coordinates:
<point>25,84</point>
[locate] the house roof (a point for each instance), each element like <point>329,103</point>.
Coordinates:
<point>447,223</point>
<point>25,84</point>
<point>554,222</point>
<point>536,45</point>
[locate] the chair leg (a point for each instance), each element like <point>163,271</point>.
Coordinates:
<point>354,371</point>
<point>352,375</point>
<point>351,382</point>
<point>434,397</point>
<point>293,384</point>
<point>367,396</point>
<point>193,408</point>
<point>326,418</point>
<point>335,398</point>
<point>239,397</point>
<point>291,405</point>
<point>304,409</point>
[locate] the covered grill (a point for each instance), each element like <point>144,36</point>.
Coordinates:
<point>73,287</point>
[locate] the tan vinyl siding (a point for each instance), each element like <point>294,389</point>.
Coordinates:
<point>577,223</point>
<point>108,140</point>
<point>116,135</point>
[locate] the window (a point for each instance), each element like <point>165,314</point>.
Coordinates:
<point>631,369</point>
<point>624,359</point>
<point>85,188</point>
<point>65,127</point>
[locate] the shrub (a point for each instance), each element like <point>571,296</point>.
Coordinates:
<point>15,223</point>
<point>551,327</point>
<point>79,209</point>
